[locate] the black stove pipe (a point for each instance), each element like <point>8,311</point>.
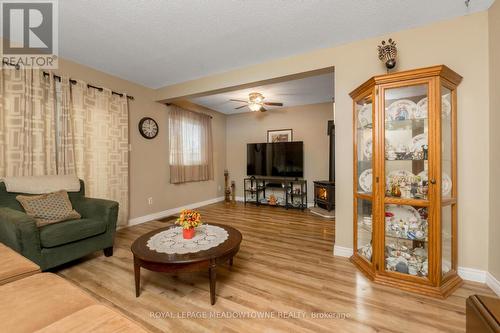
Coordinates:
<point>331,165</point>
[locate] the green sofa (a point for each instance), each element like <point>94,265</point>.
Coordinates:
<point>55,244</point>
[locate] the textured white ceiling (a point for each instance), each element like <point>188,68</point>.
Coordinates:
<point>159,42</point>
<point>311,90</point>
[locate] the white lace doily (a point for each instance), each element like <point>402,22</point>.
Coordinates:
<point>171,241</point>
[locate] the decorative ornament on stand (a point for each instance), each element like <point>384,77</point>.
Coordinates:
<point>233,192</point>
<point>227,190</point>
<point>387,53</point>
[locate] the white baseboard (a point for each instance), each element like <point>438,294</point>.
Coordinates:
<point>493,283</point>
<point>170,212</point>
<point>466,273</point>
<point>341,251</point>
<point>472,274</point>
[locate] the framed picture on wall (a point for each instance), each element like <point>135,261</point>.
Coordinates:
<point>281,135</point>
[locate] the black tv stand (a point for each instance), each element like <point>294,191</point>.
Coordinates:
<point>290,193</point>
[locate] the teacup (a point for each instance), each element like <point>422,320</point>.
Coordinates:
<point>412,270</point>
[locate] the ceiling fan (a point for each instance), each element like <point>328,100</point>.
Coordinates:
<point>255,102</point>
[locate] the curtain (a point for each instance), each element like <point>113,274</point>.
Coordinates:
<point>100,143</point>
<point>191,151</point>
<point>27,123</point>
<point>65,153</point>
<point>51,127</point>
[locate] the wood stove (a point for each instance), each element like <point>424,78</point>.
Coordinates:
<point>324,190</point>
<point>324,194</point>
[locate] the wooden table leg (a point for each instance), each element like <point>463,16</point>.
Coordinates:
<point>212,277</point>
<point>137,275</point>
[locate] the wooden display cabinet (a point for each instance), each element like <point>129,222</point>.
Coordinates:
<point>405,180</point>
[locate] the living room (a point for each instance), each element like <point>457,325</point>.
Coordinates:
<point>276,268</point>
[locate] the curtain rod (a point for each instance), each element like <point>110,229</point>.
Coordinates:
<point>168,104</point>
<point>57,77</point>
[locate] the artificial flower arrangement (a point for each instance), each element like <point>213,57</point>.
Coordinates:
<point>188,220</point>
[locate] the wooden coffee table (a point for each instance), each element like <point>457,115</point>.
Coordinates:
<point>189,262</point>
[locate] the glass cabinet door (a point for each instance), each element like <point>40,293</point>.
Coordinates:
<point>365,230</point>
<point>448,199</point>
<point>406,187</point>
<point>364,145</point>
<point>364,172</point>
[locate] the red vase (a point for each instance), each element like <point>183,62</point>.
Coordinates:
<point>188,233</point>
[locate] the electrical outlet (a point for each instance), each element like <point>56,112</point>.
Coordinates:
<point>150,201</point>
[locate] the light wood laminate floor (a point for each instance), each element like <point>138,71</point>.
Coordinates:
<point>285,267</point>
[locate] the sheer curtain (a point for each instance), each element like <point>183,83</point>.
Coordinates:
<point>27,123</point>
<point>191,151</point>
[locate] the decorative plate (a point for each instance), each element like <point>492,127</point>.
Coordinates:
<point>403,213</point>
<point>403,109</point>
<point>418,141</point>
<point>366,180</point>
<point>368,148</point>
<point>365,115</point>
<point>422,107</point>
<point>402,174</point>
<point>446,182</point>
<point>423,175</point>
<point>445,105</point>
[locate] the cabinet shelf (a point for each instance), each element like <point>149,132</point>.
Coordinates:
<point>366,127</point>
<point>407,159</point>
<point>413,124</point>
<point>425,240</point>
<point>410,140</point>
<point>365,228</point>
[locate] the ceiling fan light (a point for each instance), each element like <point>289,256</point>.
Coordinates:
<point>254,106</point>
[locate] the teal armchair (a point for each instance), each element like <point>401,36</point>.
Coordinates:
<point>55,244</point>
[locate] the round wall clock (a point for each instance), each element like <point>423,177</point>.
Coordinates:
<point>148,128</point>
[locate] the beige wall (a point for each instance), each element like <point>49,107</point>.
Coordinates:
<point>462,44</point>
<point>494,230</point>
<point>309,124</point>
<point>149,173</point>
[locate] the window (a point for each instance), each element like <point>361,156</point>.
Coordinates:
<point>190,146</point>
<point>190,137</point>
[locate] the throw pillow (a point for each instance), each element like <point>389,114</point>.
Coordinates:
<point>49,208</point>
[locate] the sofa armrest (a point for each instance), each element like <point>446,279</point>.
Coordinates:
<point>20,232</point>
<point>98,209</point>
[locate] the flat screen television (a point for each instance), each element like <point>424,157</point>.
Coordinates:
<point>280,159</point>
